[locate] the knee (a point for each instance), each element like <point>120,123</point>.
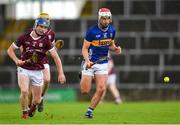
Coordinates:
<point>24,93</point>
<point>46,80</point>
<point>36,101</point>
<point>85,85</point>
<point>101,89</point>
<point>83,91</point>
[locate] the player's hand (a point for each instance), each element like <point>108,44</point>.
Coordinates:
<point>117,50</point>
<point>88,64</point>
<point>20,62</point>
<point>61,78</point>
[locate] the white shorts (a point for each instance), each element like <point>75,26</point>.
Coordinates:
<point>46,66</point>
<point>35,76</point>
<point>111,79</point>
<point>96,69</point>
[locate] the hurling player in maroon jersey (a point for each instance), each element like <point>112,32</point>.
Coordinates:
<point>111,82</point>
<point>30,72</point>
<point>46,71</point>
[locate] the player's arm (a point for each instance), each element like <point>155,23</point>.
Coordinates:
<point>12,55</point>
<point>114,48</point>
<point>57,60</point>
<point>85,47</point>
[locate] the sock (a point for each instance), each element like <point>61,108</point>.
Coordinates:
<point>29,106</point>
<point>42,97</point>
<point>90,110</point>
<point>33,107</point>
<point>25,111</point>
<point>118,99</point>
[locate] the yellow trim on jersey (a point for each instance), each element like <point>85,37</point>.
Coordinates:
<point>112,42</point>
<point>104,42</point>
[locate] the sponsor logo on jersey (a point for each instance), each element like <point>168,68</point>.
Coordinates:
<point>97,36</point>
<point>26,42</point>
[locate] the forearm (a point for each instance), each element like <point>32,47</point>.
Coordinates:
<point>112,47</point>
<point>12,54</point>
<point>57,61</point>
<point>59,65</point>
<point>85,54</point>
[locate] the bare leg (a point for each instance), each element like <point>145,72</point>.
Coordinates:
<point>46,77</point>
<point>100,88</point>
<point>23,82</point>
<point>36,94</point>
<point>113,89</point>
<point>85,84</point>
<point>30,97</point>
<point>104,94</point>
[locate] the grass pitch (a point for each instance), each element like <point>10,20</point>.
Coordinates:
<point>105,113</point>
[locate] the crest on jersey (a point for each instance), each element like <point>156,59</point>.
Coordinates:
<point>40,44</point>
<point>49,36</point>
<point>105,35</point>
<point>111,34</point>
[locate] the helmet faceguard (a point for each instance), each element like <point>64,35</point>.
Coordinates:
<point>42,22</point>
<point>104,12</point>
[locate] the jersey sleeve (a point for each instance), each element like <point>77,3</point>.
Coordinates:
<point>49,44</point>
<point>113,35</point>
<point>19,41</point>
<point>53,37</point>
<point>89,36</point>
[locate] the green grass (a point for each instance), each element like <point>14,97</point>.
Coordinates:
<point>105,113</point>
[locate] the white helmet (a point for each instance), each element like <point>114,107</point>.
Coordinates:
<point>104,12</point>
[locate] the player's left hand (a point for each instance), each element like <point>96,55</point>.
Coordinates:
<point>117,50</point>
<point>61,78</point>
<point>88,64</point>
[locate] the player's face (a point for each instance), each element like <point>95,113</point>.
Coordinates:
<point>104,21</point>
<point>41,30</point>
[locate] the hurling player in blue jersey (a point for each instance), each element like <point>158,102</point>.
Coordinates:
<point>98,41</point>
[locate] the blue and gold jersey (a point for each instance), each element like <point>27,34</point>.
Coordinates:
<point>100,42</point>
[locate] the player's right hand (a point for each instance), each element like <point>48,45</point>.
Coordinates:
<point>61,78</point>
<point>88,64</point>
<point>20,62</point>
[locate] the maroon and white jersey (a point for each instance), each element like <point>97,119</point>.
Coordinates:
<point>40,45</point>
<point>51,35</point>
